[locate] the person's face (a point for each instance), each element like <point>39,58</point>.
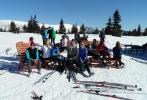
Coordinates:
<point>73,43</point>
<point>32,46</point>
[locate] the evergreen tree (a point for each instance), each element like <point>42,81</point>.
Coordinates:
<point>17,30</point>
<point>62,28</point>
<point>145,32</point>
<point>74,29</point>
<point>116,24</point>
<point>108,29</point>
<point>25,28</point>
<point>12,27</point>
<point>139,31</point>
<point>83,30</point>
<point>96,31</point>
<point>33,26</point>
<point>1,30</point>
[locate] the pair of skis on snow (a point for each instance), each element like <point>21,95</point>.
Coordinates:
<point>106,88</point>
<point>111,85</point>
<point>45,77</point>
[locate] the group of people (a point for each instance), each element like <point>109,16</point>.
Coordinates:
<point>75,55</point>
<point>48,34</point>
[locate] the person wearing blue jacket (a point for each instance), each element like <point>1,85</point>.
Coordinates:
<point>45,35</point>
<point>117,53</point>
<point>32,56</point>
<point>83,54</point>
<point>56,57</point>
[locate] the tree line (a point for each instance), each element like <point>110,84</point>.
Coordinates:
<point>113,27</point>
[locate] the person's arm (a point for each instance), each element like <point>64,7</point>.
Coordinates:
<point>27,55</point>
<point>113,51</point>
<point>37,55</point>
<point>86,54</point>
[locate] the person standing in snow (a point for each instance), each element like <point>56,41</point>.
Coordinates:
<point>53,36</point>
<point>117,53</point>
<point>44,34</point>
<point>50,34</point>
<point>102,35</point>
<point>32,56</point>
<point>77,38</point>
<point>83,53</point>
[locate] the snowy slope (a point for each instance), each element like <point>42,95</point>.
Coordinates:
<point>5,24</point>
<point>16,85</point>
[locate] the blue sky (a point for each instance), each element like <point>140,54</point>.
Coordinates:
<point>94,13</point>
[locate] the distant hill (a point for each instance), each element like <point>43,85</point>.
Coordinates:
<point>5,24</point>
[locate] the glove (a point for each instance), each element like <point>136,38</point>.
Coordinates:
<point>35,62</point>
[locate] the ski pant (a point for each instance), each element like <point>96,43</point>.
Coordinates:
<point>52,40</point>
<point>69,64</point>
<point>44,40</point>
<point>86,66</point>
<point>32,63</point>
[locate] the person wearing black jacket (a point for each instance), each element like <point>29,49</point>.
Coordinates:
<point>73,55</point>
<point>32,56</point>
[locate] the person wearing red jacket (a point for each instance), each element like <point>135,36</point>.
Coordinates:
<point>103,50</point>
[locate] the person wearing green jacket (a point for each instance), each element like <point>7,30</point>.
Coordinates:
<point>32,56</point>
<point>53,36</point>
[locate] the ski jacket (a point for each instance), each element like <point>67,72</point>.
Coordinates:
<point>54,51</point>
<point>45,34</point>
<point>46,51</point>
<point>117,52</point>
<point>64,42</point>
<point>32,54</point>
<point>102,49</point>
<point>83,53</point>
<point>53,33</point>
<point>73,53</point>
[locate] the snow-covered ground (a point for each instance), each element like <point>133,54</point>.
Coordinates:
<point>15,85</point>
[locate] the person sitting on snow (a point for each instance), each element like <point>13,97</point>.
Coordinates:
<point>73,55</point>
<point>56,57</point>
<point>32,56</point>
<point>46,52</point>
<point>117,53</point>
<point>103,50</point>
<point>83,53</point>
<point>94,44</point>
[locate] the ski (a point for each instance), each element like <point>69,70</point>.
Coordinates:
<point>43,78</point>
<point>108,83</point>
<point>99,92</point>
<point>46,77</point>
<point>101,84</point>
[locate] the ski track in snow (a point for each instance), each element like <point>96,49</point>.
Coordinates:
<point>17,86</point>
